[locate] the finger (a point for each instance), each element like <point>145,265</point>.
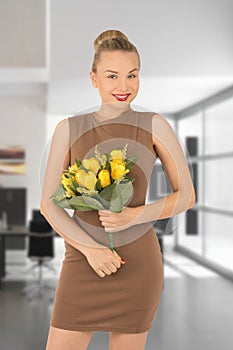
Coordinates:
<point>117,255</point>
<point>104,212</point>
<point>100,273</point>
<point>108,224</point>
<point>104,224</point>
<point>110,229</point>
<point>119,258</point>
<point>106,219</point>
<point>112,267</point>
<point>106,270</point>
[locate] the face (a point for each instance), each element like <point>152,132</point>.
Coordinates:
<point>117,77</point>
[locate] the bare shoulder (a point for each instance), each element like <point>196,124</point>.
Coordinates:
<point>63,123</point>
<point>160,126</point>
<point>159,118</point>
<point>62,128</point>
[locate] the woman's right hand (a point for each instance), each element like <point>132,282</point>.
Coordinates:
<point>103,261</point>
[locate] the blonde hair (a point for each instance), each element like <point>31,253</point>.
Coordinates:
<point>111,40</point>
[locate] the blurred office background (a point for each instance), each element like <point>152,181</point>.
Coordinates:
<point>187,76</point>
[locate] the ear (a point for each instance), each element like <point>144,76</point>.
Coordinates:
<point>93,79</point>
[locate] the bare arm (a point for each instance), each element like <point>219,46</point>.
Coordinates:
<point>174,163</point>
<point>59,219</point>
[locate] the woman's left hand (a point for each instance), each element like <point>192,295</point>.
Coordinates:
<point>114,222</point>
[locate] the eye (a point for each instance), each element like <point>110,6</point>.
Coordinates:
<point>132,76</point>
<point>112,76</point>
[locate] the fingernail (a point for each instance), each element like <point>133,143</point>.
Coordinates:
<point>123,260</point>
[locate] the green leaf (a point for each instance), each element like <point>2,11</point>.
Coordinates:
<point>75,184</point>
<point>108,166</point>
<point>59,198</point>
<point>108,156</point>
<point>78,203</point>
<point>116,203</point>
<point>98,185</point>
<point>64,204</point>
<point>72,173</point>
<point>132,159</point>
<point>130,162</point>
<point>126,190</point>
<point>125,179</point>
<point>78,163</point>
<point>93,203</point>
<point>81,167</point>
<point>106,195</point>
<point>59,194</point>
<point>131,179</point>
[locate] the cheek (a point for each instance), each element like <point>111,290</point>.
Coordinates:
<point>106,86</point>
<point>135,88</point>
<point>136,84</point>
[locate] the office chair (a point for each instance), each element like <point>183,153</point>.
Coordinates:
<point>41,250</point>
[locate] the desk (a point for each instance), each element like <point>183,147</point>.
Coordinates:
<point>14,230</point>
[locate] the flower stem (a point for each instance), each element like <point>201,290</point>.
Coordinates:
<point>111,242</point>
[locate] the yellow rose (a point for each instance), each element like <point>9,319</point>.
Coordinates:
<point>74,168</point>
<point>87,180</point>
<point>91,164</point>
<point>67,182</point>
<point>118,169</point>
<point>70,193</point>
<point>117,154</point>
<point>104,177</point>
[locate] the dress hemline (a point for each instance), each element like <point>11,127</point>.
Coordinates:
<point>100,329</point>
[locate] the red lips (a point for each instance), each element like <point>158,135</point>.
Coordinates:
<point>121,97</point>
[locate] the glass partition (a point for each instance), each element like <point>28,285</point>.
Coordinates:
<point>212,125</point>
<point>218,183</point>
<point>219,239</point>
<point>193,242</point>
<point>192,126</point>
<point>219,128</point>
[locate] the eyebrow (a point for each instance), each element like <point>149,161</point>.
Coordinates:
<point>113,71</point>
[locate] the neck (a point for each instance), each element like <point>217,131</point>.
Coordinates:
<point>112,110</point>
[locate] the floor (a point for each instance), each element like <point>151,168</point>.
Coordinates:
<point>195,311</point>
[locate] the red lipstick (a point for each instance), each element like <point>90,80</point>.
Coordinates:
<point>121,97</point>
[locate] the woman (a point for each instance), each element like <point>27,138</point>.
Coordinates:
<point>98,290</point>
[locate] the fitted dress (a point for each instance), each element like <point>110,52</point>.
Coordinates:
<point>127,300</point>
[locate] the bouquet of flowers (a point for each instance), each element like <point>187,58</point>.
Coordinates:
<point>99,183</point>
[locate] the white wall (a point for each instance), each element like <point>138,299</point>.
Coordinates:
<point>23,89</point>
<point>22,33</point>
<point>23,122</point>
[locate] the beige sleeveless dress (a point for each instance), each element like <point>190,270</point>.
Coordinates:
<point>127,300</point>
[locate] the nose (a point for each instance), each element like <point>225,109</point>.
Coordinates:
<point>122,85</point>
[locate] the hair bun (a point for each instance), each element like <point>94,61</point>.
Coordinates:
<point>108,35</point>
